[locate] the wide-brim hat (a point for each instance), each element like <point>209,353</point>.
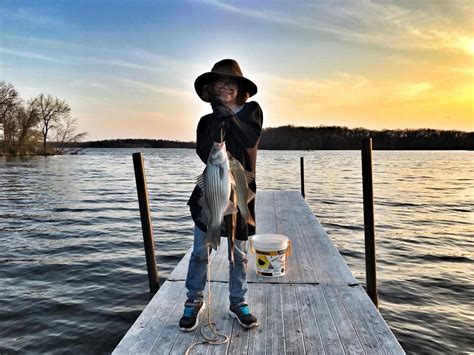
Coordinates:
<point>228,68</point>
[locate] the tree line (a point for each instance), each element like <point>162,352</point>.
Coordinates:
<point>343,138</point>
<point>134,143</point>
<point>324,138</point>
<point>28,127</point>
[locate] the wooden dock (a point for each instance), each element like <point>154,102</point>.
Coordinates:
<point>318,307</point>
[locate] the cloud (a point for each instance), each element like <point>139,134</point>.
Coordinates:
<point>73,60</point>
<point>31,55</point>
<point>156,88</point>
<point>311,86</point>
<point>396,25</point>
<point>31,17</point>
<point>86,83</point>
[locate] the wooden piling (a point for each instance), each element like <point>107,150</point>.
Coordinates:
<point>302,176</point>
<point>147,227</point>
<point>369,226</point>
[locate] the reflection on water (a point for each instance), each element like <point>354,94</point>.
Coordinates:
<point>72,267</point>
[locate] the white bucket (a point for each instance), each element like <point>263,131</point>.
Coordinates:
<point>271,251</point>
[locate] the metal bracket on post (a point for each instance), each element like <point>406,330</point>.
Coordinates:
<point>147,227</point>
<point>369,226</point>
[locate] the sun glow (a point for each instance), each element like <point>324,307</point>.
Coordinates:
<point>466,44</point>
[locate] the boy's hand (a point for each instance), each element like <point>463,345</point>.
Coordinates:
<point>220,110</point>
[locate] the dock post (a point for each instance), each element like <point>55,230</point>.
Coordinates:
<point>302,176</point>
<point>369,227</point>
<point>147,227</point>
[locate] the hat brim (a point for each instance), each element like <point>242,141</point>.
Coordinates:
<point>206,78</point>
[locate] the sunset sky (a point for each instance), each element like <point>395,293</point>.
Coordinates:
<point>127,68</point>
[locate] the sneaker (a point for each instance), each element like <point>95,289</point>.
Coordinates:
<point>241,312</point>
<point>189,321</point>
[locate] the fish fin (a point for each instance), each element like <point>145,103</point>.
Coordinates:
<point>250,195</point>
<point>232,180</point>
<point>249,176</point>
<point>230,209</point>
<point>250,220</point>
<point>200,181</point>
<point>221,172</point>
<point>205,215</point>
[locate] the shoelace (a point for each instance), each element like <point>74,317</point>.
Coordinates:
<point>245,310</point>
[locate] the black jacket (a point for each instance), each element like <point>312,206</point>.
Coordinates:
<point>242,133</point>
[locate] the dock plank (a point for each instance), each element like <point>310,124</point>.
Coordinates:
<point>318,307</point>
<point>258,307</point>
<point>274,337</point>
<point>315,301</point>
<point>294,342</point>
<point>347,334</point>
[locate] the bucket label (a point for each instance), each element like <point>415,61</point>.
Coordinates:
<point>273,253</point>
<point>271,263</point>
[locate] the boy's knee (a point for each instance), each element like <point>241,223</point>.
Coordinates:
<point>240,255</point>
<point>200,254</point>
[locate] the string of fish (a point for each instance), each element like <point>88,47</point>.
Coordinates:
<point>216,338</point>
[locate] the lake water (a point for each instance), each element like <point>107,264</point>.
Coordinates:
<point>72,267</point>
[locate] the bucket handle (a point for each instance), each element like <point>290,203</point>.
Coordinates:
<point>288,248</point>
<point>252,249</point>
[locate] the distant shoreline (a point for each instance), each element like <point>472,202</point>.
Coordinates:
<point>321,138</point>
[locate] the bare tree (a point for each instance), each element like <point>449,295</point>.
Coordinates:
<point>9,104</point>
<point>66,132</point>
<point>51,111</point>
<point>27,119</point>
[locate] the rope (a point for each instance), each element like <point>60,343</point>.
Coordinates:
<point>215,337</point>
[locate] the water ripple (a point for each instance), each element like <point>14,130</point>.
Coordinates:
<point>72,263</point>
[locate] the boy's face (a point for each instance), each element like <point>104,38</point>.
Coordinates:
<point>227,90</point>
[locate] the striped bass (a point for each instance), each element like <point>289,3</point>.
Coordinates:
<point>242,179</point>
<point>216,184</point>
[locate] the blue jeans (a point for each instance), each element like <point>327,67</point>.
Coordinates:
<point>197,270</point>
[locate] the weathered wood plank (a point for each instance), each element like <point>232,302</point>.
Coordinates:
<point>257,336</point>
<point>313,298</point>
<point>285,225</point>
<point>345,329</point>
<point>265,212</point>
<point>294,343</point>
<point>311,264</point>
<point>310,323</point>
<point>318,243</point>
<point>365,333</point>
<point>383,332</point>
<point>274,337</point>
